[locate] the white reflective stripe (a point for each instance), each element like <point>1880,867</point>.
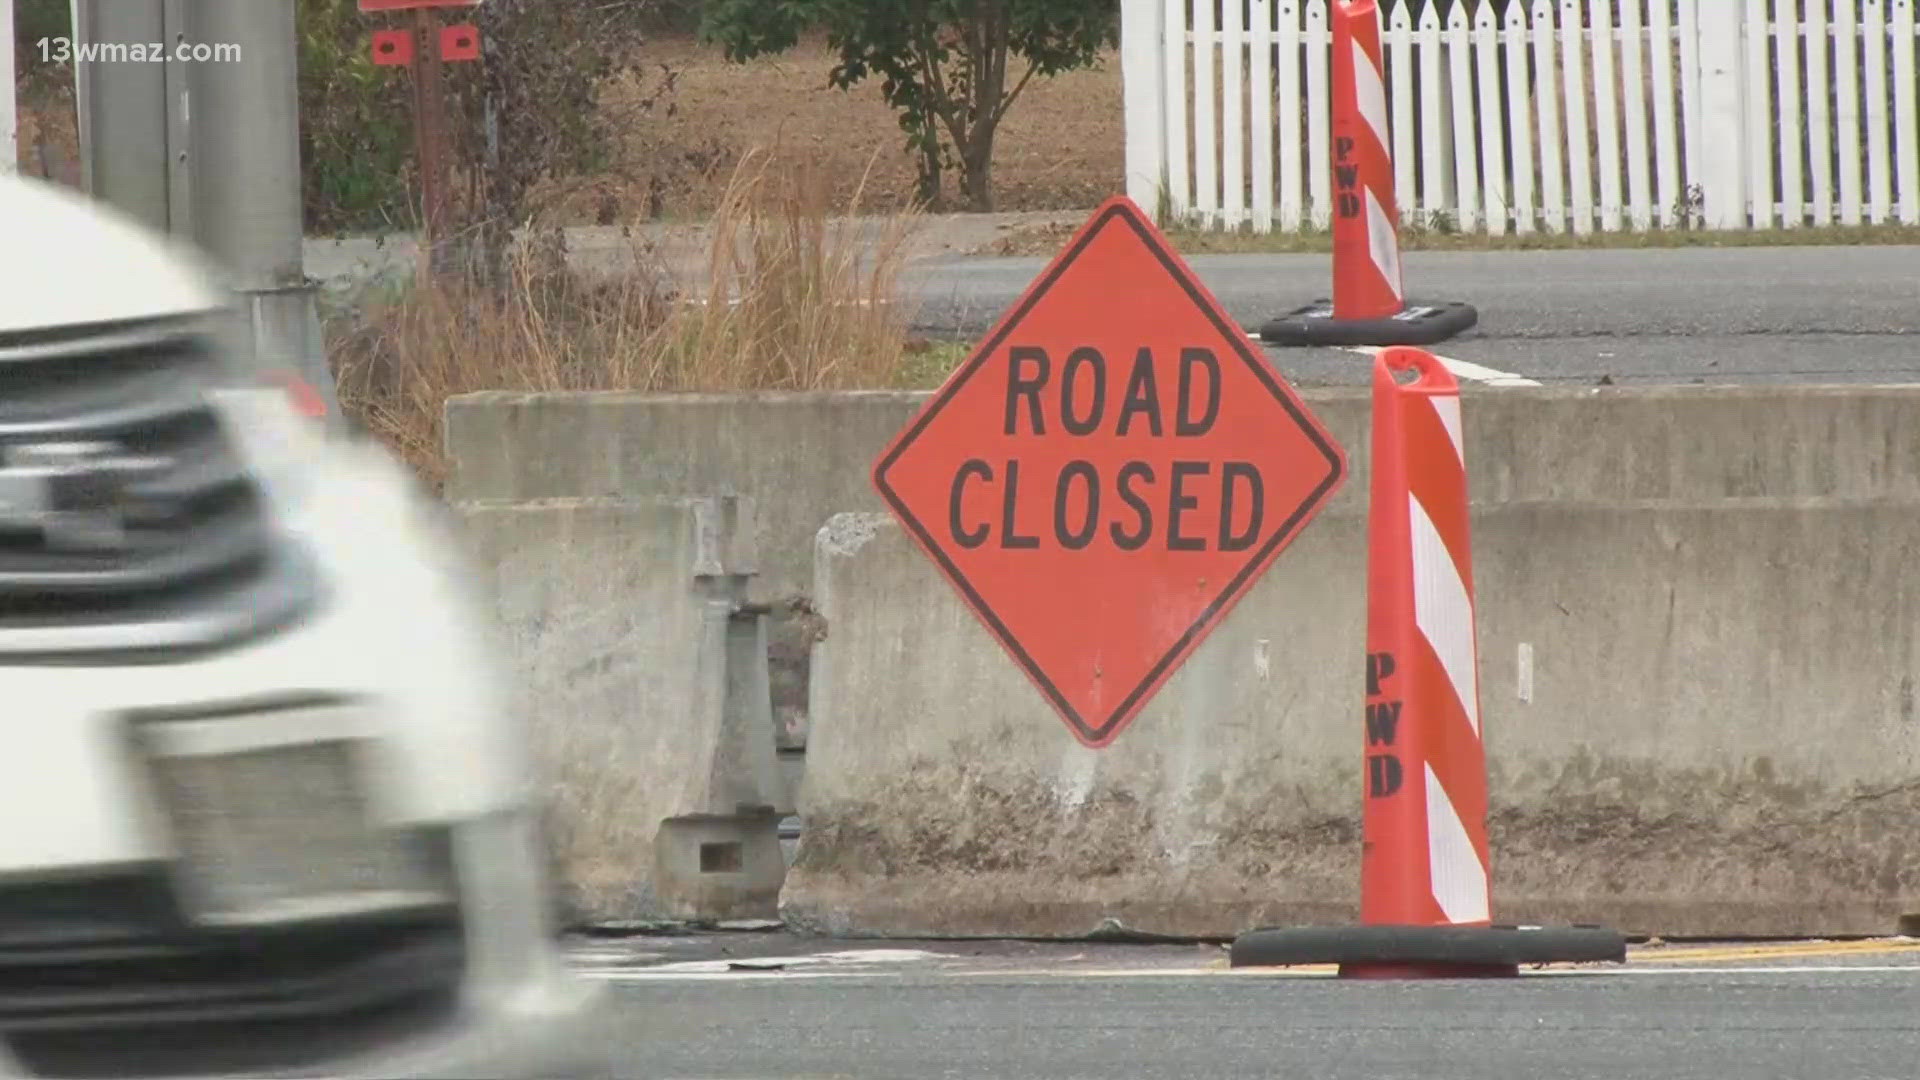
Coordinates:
<point>1371,93</point>
<point>1461,369</point>
<point>1383,244</point>
<point>1442,609</point>
<point>1459,878</point>
<point>1449,409</point>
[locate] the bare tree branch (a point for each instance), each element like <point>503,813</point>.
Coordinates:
<point>1014,94</point>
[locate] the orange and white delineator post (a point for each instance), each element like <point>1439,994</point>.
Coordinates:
<point>1426,905</point>
<point>1369,305</point>
<point>1366,219</point>
<point>1425,858</point>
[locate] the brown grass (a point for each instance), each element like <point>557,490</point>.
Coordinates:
<point>794,298</point>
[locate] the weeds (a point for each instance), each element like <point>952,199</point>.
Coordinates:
<point>928,363</point>
<point>794,297</point>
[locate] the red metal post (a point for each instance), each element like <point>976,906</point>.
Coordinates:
<point>429,120</point>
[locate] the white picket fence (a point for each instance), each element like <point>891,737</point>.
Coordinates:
<point>1565,115</point>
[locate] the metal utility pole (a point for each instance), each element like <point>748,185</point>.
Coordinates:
<point>247,208</point>
<point>132,114</point>
<point>9,106</point>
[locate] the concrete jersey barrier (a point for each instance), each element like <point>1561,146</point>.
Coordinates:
<point>642,674</point>
<point>803,457</point>
<point>1697,647</point>
<point>799,457</point>
<point>1697,640</point>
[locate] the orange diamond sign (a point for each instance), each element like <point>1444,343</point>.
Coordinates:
<point>1109,472</point>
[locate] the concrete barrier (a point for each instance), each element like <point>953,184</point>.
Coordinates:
<point>802,457</point>
<point>1699,632</point>
<point>1709,728</point>
<point>641,669</point>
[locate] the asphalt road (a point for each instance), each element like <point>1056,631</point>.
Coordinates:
<point>1684,315</point>
<point>1177,1014</point>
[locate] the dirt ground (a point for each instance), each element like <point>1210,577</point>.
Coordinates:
<point>1061,146</point>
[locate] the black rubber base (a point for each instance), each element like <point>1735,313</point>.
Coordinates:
<point>1419,324</point>
<point>1427,951</point>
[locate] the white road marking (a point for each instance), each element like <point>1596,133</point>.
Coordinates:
<point>1809,969</point>
<point>1102,973</point>
<point>643,975</point>
<point>1462,369</point>
<point>808,965</point>
<point>1315,972</point>
<point>610,958</point>
<point>883,963</point>
<point>1329,971</point>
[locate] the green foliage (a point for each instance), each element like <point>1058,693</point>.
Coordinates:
<point>34,20</point>
<point>943,65</point>
<point>526,113</point>
<point>356,133</point>
<point>531,110</point>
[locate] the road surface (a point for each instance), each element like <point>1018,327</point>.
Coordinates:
<point>1685,315</point>
<point>1680,315</point>
<point>1838,1011</point>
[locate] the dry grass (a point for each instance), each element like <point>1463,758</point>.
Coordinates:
<point>794,298</point>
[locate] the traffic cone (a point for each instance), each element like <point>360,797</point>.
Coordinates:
<point>1425,865</point>
<point>1369,306</point>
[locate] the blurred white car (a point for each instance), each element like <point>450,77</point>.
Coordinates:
<point>264,812</point>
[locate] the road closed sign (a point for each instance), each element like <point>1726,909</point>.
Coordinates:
<point>1109,472</point>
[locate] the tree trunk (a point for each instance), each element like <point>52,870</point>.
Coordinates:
<point>977,162</point>
<point>989,84</point>
<point>930,171</point>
